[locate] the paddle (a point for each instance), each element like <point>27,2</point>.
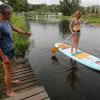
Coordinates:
<point>55,49</point>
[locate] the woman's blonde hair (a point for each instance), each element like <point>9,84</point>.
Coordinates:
<point>78,12</point>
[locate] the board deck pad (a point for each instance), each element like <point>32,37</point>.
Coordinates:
<point>80,56</point>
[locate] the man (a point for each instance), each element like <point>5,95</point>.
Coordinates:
<point>6,45</point>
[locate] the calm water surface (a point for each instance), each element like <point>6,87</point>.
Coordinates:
<point>61,79</point>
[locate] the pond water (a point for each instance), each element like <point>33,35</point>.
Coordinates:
<point>77,83</point>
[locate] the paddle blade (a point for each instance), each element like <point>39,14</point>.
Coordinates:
<point>55,49</point>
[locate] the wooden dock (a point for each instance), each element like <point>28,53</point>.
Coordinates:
<point>29,88</point>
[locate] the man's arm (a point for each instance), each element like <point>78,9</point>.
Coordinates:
<point>21,31</point>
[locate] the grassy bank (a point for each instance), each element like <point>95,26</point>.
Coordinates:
<point>95,20</point>
<point>21,42</point>
<point>64,17</point>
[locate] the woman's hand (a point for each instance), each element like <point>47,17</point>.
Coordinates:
<point>73,33</point>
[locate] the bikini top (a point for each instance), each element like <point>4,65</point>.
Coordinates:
<point>76,24</point>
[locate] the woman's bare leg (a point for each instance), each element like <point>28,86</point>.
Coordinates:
<point>72,46</point>
<point>77,42</point>
<point>73,43</point>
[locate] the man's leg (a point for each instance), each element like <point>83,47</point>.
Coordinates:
<point>8,79</point>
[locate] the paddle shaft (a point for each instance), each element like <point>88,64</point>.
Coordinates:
<point>67,39</point>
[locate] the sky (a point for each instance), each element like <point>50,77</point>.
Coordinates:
<point>83,2</point>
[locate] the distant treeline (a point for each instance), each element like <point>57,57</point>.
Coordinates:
<point>67,7</point>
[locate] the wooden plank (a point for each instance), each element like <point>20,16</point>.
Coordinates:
<point>27,77</point>
<point>20,70</point>
<point>20,66</point>
<point>26,81</point>
<point>31,92</point>
<point>23,75</point>
<point>20,73</point>
<point>28,88</point>
<point>39,96</point>
<point>23,90</point>
<point>22,82</point>
<point>20,78</point>
<point>46,99</point>
<point>23,78</point>
<point>26,85</point>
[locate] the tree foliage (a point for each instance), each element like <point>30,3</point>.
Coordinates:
<point>69,6</point>
<point>17,5</point>
<point>44,8</point>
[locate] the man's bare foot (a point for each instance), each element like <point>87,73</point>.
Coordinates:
<point>11,94</point>
<point>15,81</point>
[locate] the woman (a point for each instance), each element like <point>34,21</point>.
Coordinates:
<point>6,45</point>
<point>75,30</point>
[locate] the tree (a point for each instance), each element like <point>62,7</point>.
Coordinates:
<point>54,8</point>
<point>43,8</point>
<point>17,5</point>
<point>93,9</point>
<point>69,6</point>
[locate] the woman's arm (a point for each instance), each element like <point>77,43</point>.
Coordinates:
<point>70,26</point>
<point>85,22</point>
<point>21,31</point>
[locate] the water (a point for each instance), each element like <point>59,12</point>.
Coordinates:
<point>61,79</point>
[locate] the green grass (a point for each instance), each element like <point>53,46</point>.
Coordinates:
<point>95,20</point>
<point>64,17</point>
<point>92,20</point>
<point>21,42</point>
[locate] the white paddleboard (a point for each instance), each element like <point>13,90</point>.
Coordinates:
<point>80,56</point>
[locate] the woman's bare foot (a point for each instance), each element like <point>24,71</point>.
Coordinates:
<point>11,94</point>
<point>15,81</point>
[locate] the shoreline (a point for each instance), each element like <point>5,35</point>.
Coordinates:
<point>92,21</point>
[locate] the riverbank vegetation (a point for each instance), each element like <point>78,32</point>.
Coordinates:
<point>21,42</point>
<point>95,20</point>
<point>66,7</point>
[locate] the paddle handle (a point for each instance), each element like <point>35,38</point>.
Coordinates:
<point>67,39</point>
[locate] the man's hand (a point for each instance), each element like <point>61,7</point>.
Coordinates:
<point>29,33</point>
<point>5,59</point>
<point>21,31</point>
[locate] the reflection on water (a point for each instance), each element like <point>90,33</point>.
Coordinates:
<point>72,77</point>
<point>62,79</point>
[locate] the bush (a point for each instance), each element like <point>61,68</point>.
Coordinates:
<point>21,42</point>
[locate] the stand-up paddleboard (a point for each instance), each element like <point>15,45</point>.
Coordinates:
<point>80,56</point>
